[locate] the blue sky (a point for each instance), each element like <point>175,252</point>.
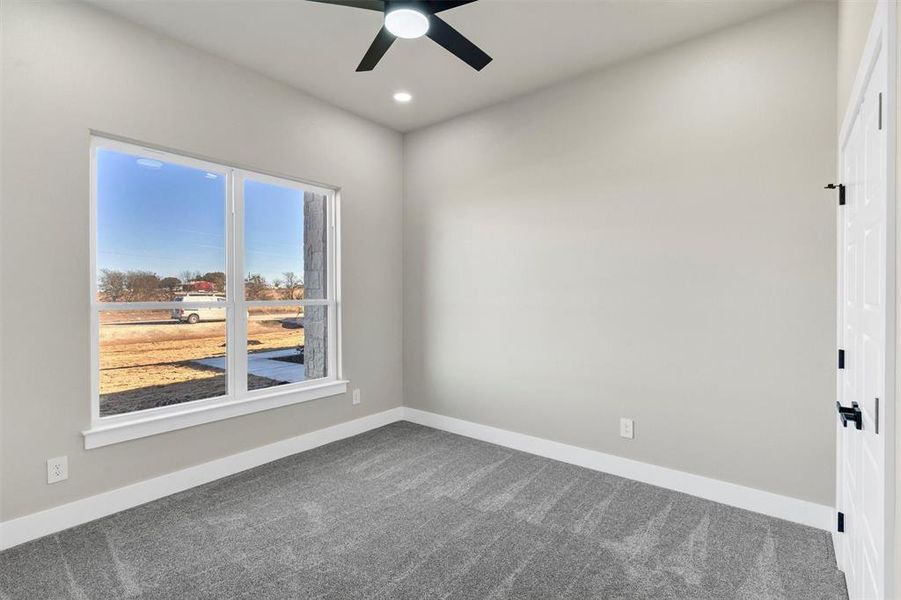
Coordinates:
<point>273,230</point>
<point>166,218</point>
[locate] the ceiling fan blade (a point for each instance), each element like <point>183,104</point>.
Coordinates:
<point>378,5</point>
<point>440,5</point>
<point>455,43</point>
<point>377,49</point>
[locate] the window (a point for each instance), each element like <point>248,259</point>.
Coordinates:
<point>213,292</point>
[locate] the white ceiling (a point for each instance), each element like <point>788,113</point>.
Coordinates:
<point>534,43</point>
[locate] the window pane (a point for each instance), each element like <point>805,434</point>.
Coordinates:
<point>160,229</point>
<point>285,242</point>
<point>152,358</point>
<point>286,345</point>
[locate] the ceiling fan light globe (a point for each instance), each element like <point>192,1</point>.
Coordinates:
<point>406,23</point>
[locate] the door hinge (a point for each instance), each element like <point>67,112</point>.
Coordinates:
<point>840,525</point>
<point>841,359</point>
<point>841,191</point>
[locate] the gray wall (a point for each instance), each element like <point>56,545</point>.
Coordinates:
<point>649,241</point>
<point>627,244</point>
<point>68,68</point>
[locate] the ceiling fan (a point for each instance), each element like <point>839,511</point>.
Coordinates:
<point>412,19</point>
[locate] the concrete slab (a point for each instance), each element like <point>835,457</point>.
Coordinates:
<point>262,364</point>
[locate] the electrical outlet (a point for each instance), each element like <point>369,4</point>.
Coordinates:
<point>356,396</point>
<point>626,428</point>
<point>57,469</point>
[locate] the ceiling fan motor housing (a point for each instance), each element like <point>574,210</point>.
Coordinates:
<point>420,19</point>
<point>416,5</point>
<point>406,19</point>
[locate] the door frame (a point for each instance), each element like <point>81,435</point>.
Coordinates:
<point>882,37</point>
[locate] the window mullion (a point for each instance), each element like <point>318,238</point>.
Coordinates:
<point>137,306</point>
<point>230,283</point>
<point>238,342</point>
<point>333,289</point>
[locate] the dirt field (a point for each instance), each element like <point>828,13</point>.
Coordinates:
<point>147,362</point>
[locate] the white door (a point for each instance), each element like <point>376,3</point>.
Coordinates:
<point>863,224</point>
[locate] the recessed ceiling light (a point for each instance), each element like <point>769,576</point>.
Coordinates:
<point>149,163</point>
<point>406,23</point>
<point>402,97</point>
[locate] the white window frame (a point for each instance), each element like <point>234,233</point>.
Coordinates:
<point>238,400</point>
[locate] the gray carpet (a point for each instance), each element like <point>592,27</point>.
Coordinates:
<point>410,512</point>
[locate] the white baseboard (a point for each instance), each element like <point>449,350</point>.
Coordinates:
<point>52,520</point>
<point>731,494</point>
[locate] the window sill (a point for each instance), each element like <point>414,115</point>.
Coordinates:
<point>122,431</point>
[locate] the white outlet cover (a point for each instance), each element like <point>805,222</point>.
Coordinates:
<point>627,428</point>
<point>356,396</point>
<point>57,469</point>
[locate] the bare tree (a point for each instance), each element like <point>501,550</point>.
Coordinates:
<point>142,286</point>
<point>292,284</point>
<point>112,285</point>
<point>189,275</point>
<point>169,284</point>
<point>256,287</point>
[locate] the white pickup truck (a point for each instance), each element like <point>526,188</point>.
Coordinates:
<point>216,312</point>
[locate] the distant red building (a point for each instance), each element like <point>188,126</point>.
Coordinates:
<point>200,286</point>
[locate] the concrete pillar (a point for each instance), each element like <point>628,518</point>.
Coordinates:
<point>315,278</point>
